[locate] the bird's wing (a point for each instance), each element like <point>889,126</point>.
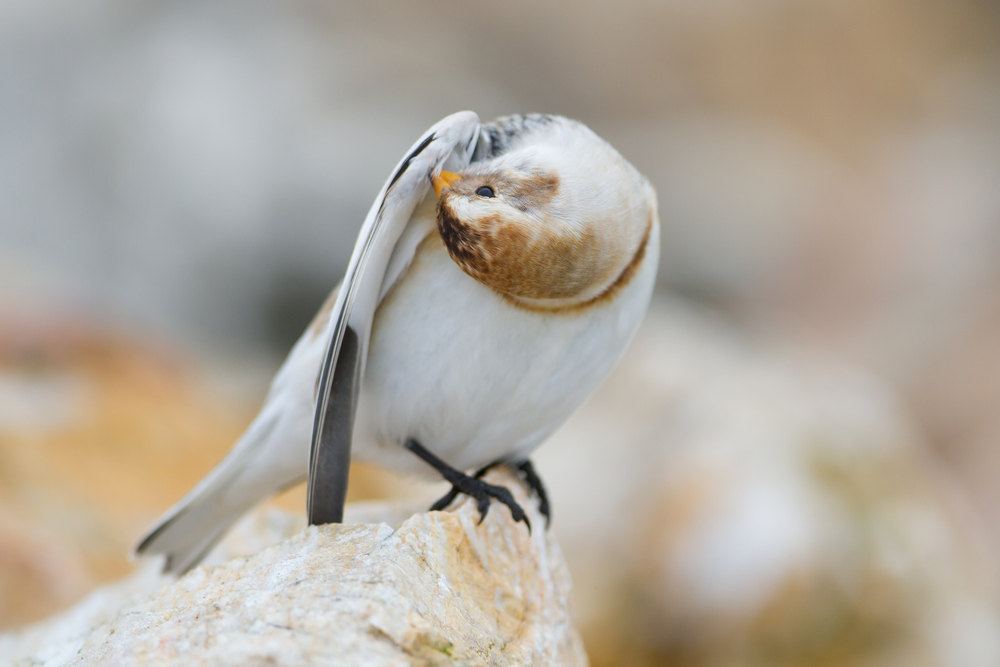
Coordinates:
<point>449,144</point>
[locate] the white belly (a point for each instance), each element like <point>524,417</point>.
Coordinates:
<point>474,378</point>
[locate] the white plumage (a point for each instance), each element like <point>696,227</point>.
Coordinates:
<point>497,312</point>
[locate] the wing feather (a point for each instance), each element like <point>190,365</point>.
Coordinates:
<point>448,144</point>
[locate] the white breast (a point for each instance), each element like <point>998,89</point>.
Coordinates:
<point>474,378</point>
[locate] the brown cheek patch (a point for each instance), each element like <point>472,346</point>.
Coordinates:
<point>463,242</point>
<point>506,257</point>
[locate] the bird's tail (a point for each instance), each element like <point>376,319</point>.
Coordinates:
<point>191,528</point>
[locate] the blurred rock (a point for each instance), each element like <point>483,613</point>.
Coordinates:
<point>902,276</point>
<point>85,416</point>
<point>38,572</point>
<point>439,589</point>
<point>99,434</point>
<point>722,503</point>
<point>719,502</point>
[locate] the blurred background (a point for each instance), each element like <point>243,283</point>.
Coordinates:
<point>797,462</point>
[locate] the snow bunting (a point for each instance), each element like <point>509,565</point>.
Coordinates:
<point>499,275</point>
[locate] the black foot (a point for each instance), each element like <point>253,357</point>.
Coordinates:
<point>470,486</point>
<point>526,471</point>
<point>449,497</point>
<point>534,483</point>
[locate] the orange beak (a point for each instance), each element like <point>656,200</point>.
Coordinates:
<point>443,180</point>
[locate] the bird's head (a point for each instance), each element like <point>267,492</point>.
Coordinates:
<point>554,217</point>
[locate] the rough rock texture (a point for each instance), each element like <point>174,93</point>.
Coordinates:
<point>439,589</point>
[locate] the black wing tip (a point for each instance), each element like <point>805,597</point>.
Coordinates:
<point>147,542</point>
<point>142,549</point>
<point>170,563</point>
<point>330,460</point>
<point>409,158</point>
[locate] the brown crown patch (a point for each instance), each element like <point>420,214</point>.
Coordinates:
<point>534,191</point>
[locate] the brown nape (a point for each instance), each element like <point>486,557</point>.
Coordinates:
<point>625,277</point>
<point>609,293</point>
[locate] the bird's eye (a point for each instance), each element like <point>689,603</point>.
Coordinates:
<point>485,191</point>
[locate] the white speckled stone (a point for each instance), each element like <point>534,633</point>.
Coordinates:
<point>436,590</point>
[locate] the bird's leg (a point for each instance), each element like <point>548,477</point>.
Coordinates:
<point>470,486</point>
<point>534,483</point>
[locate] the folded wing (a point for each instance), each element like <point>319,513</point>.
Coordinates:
<point>447,145</point>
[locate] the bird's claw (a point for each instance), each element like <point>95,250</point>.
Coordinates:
<point>534,483</point>
<point>483,493</point>
<point>526,471</point>
<point>474,487</point>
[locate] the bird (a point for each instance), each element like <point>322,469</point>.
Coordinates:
<point>499,275</point>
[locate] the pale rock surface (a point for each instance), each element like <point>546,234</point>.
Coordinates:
<point>438,589</point>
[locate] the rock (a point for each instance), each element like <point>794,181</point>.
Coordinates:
<point>438,589</point>
<point>38,570</point>
<point>98,435</point>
